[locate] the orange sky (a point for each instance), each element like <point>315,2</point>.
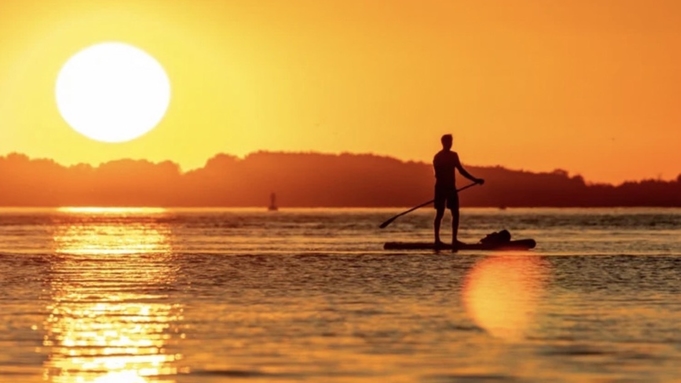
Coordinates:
<point>593,87</point>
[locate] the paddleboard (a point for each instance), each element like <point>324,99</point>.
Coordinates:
<point>521,244</point>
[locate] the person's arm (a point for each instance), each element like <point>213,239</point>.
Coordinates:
<point>466,173</point>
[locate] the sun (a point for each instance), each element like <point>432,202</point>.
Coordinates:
<point>112,92</point>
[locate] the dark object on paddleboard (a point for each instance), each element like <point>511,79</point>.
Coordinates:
<point>521,244</point>
<point>502,236</point>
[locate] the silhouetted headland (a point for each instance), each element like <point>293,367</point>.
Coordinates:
<point>307,180</point>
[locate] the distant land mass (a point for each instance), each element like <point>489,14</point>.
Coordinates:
<point>304,180</point>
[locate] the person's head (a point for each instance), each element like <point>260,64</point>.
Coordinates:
<point>446,141</point>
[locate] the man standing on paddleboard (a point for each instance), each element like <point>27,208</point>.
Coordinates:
<point>446,162</point>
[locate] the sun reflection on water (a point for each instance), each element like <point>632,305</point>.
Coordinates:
<point>501,294</point>
<point>110,319</point>
<point>110,210</point>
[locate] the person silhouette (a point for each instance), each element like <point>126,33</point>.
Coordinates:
<point>445,163</point>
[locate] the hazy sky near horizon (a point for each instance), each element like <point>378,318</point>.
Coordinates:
<point>592,87</point>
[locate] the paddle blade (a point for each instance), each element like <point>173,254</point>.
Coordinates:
<point>386,223</point>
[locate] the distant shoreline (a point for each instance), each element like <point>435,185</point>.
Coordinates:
<point>305,180</point>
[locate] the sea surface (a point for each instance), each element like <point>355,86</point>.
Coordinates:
<point>246,295</point>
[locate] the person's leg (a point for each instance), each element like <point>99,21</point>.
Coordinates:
<point>440,202</point>
<point>436,224</point>
<point>453,204</point>
<point>455,226</point>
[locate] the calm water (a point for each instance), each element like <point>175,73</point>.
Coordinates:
<point>309,295</point>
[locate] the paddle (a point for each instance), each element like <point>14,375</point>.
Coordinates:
<point>388,222</point>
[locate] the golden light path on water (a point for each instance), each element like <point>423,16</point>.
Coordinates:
<point>111,210</point>
<point>110,320</point>
<point>501,293</point>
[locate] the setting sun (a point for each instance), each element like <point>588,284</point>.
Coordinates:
<point>112,92</point>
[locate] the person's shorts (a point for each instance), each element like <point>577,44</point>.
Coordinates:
<point>446,197</point>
